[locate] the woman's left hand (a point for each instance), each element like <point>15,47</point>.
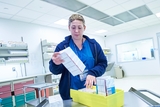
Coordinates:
<point>90,80</point>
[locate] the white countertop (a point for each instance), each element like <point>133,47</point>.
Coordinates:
<point>25,77</point>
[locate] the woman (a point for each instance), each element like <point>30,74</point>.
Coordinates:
<point>89,52</point>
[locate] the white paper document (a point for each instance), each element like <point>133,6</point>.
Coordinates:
<point>72,62</point>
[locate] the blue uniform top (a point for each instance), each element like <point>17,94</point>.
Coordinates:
<point>85,55</point>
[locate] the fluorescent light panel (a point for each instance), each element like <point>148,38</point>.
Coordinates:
<point>141,11</point>
<point>72,5</point>
<point>62,22</point>
<point>93,13</point>
<point>125,16</point>
<point>111,21</point>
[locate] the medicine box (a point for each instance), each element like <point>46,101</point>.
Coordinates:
<point>96,100</point>
<point>72,62</point>
<point>105,85</point>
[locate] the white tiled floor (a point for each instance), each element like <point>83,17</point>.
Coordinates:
<point>139,82</point>
<point>151,83</point>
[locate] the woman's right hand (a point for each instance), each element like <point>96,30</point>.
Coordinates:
<point>56,58</point>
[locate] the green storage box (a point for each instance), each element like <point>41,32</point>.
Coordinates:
<point>6,100</point>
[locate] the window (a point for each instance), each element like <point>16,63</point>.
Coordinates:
<point>135,51</point>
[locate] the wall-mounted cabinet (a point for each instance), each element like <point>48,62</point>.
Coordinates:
<point>14,54</point>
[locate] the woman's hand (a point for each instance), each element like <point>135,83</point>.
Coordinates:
<point>90,80</point>
<point>56,58</point>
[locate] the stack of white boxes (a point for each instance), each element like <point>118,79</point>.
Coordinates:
<point>105,85</point>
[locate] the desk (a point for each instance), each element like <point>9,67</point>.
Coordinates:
<point>39,87</point>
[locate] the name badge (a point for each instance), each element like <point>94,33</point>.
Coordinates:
<point>83,76</point>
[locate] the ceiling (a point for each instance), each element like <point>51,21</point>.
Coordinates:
<point>115,16</point>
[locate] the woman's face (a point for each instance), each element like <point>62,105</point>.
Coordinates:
<point>77,28</point>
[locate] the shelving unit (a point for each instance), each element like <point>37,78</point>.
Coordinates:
<point>107,53</point>
<point>14,54</point>
<point>47,52</point>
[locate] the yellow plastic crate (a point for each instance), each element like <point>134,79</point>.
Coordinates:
<point>96,100</point>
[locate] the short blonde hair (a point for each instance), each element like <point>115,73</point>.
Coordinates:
<point>76,17</point>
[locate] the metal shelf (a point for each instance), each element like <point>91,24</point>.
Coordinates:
<point>47,56</point>
<point>34,102</point>
<point>13,48</point>
<point>14,54</point>
<point>14,61</point>
<point>48,50</point>
<point>46,43</point>
<point>39,86</point>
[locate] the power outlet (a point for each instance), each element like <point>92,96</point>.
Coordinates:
<point>13,69</point>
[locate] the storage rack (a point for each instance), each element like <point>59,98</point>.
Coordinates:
<point>17,54</point>
<point>47,52</point>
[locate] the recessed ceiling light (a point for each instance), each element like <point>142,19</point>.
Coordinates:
<point>158,14</point>
<point>63,22</point>
<point>101,31</point>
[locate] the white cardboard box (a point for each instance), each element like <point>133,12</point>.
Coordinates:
<point>72,62</point>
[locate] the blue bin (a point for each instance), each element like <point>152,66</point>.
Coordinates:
<point>0,102</point>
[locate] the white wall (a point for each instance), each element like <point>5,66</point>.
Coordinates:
<point>148,67</point>
<point>32,34</point>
